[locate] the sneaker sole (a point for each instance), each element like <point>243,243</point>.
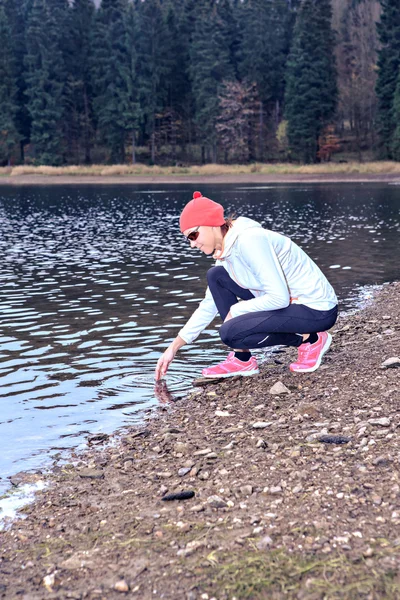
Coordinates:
<point>318,363</point>
<point>242,373</point>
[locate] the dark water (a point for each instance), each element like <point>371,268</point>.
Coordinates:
<point>96,281</point>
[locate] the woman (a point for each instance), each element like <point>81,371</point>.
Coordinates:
<point>285,298</point>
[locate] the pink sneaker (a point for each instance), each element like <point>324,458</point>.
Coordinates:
<point>310,355</point>
<point>231,367</point>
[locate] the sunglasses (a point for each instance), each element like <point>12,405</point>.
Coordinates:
<point>193,235</point>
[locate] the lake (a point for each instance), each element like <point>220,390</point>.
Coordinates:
<point>97,280</point>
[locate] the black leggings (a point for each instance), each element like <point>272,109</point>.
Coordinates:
<point>264,328</point>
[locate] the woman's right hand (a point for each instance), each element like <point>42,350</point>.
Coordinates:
<point>163,363</point>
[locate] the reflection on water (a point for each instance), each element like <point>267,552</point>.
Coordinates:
<point>96,281</point>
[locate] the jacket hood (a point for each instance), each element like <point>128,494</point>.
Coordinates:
<point>241,224</point>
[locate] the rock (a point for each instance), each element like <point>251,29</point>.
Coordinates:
<point>97,438</point>
<point>184,471</point>
<point>191,547</point>
<point>265,543</point>
<point>121,586</point>
<point>77,561</point>
<point>261,443</point>
<point>391,363</point>
<point>49,581</point>
<point>279,388</point>
<point>383,421</point>
<point>334,439</point>
<point>297,489</point>
<point>275,489</point>
<point>202,452</point>
<point>222,413</point>
<point>246,490</point>
<point>184,495</point>
<point>91,474</point>
<point>216,502</point>
<point>164,474</point>
<point>22,478</point>
<point>181,448</point>
<point>261,424</point>
<point>202,381</point>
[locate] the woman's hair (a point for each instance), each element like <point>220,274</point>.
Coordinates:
<point>228,224</point>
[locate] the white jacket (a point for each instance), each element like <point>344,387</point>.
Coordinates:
<point>272,267</point>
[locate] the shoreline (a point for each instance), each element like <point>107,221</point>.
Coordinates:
<point>243,178</point>
<point>276,512</point>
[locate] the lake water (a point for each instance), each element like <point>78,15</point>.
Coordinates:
<point>97,280</point>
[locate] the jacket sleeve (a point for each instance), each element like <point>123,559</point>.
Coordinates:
<point>199,320</point>
<point>259,256</point>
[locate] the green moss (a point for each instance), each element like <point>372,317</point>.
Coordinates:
<point>277,574</point>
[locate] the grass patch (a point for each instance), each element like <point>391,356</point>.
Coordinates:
<point>210,170</point>
<point>280,575</point>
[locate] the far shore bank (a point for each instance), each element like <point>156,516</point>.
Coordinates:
<point>281,486</point>
<point>258,173</point>
<point>290,178</point>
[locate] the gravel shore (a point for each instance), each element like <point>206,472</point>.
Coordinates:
<point>286,486</point>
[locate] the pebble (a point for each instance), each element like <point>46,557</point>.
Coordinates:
<point>275,489</point>
<point>202,452</point>
<point>91,474</point>
<point>184,471</point>
<point>121,586</point>
<point>391,363</point>
<point>261,443</point>
<point>383,421</point>
<point>222,413</point>
<point>279,388</point>
<point>261,424</point>
<point>246,490</point>
<point>265,543</point>
<point>297,489</point>
<point>216,502</point>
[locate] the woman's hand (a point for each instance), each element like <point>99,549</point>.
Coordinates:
<point>228,317</point>
<point>163,363</point>
<point>166,359</point>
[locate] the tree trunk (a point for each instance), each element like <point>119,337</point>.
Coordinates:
<point>260,132</point>
<point>87,128</point>
<point>133,148</point>
<point>153,144</point>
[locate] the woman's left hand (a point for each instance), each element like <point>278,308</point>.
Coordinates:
<point>228,317</point>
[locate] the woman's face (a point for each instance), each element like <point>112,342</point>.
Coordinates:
<point>206,240</point>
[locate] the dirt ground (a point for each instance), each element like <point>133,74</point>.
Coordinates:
<point>295,494</point>
<point>21,180</point>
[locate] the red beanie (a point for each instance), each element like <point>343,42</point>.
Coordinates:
<point>201,211</point>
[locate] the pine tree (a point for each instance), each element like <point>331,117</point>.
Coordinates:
<point>45,76</point>
<point>113,76</point>
<point>209,66</point>
<point>311,92</point>
<point>395,138</point>
<point>267,28</point>
<point>388,70</point>
<point>9,136</point>
<point>154,66</point>
<point>16,17</point>
<point>79,82</point>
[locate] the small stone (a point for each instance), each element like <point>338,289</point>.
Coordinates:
<point>279,388</point>
<point>184,471</point>
<point>202,452</point>
<point>261,424</point>
<point>222,413</point>
<point>164,474</point>
<point>246,490</point>
<point>297,489</point>
<point>382,421</point>
<point>197,508</point>
<point>391,363</point>
<point>121,586</point>
<point>275,489</point>
<point>265,543</point>
<point>91,474</point>
<point>216,502</point>
<point>261,443</point>
<point>181,448</point>
<point>368,552</point>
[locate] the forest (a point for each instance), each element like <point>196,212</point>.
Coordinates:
<point>175,82</point>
